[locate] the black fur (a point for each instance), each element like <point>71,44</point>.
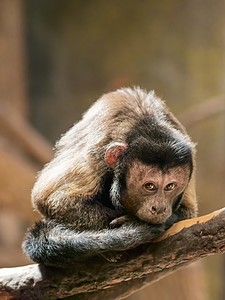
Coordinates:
<point>156,144</point>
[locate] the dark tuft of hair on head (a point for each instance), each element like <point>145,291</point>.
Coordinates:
<point>154,144</point>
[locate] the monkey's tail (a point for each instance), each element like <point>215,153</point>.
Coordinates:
<point>54,244</point>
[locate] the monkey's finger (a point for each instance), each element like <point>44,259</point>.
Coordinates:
<point>118,221</point>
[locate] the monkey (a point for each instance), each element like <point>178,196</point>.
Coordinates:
<point>120,177</point>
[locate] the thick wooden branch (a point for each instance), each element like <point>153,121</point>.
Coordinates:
<point>96,278</point>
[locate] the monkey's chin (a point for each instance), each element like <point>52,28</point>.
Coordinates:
<point>154,219</point>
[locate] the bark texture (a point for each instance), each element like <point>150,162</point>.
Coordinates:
<point>96,278</point>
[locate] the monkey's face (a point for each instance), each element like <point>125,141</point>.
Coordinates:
<point>150,192</point>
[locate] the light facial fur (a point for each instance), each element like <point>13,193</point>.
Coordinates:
<point>139,201</point>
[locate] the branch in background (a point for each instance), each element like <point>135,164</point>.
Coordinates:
<point>202,111</point>
<point>96,278</point>
<point>21,132</point>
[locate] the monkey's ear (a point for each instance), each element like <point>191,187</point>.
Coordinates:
<point>113,153</point>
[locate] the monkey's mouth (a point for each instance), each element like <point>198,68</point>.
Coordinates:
<point>152,218</point>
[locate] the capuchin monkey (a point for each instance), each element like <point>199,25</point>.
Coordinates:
<point>120,177</point>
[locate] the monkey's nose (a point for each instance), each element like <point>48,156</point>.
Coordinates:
<point>156,210</point>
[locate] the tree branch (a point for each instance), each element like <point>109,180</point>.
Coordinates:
<point>96,278</point>
<point>200,112</point>
<point>24,135</point>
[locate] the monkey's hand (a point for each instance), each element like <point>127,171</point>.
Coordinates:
<point>120,220</point>
<point>171,220</point>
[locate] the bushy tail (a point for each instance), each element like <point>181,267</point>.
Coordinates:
<point>54,244</point>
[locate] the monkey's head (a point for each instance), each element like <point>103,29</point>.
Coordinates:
<point>150,174</point>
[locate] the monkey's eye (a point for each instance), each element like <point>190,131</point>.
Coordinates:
<point>149,186</point>
<point>170,187</point>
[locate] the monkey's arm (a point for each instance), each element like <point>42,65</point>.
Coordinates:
<point>53,244</point>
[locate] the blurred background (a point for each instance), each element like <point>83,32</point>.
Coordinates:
<point>57,57</point>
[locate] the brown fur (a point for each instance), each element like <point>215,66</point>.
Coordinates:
<point>81,192</point>
<point>77,169</point>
